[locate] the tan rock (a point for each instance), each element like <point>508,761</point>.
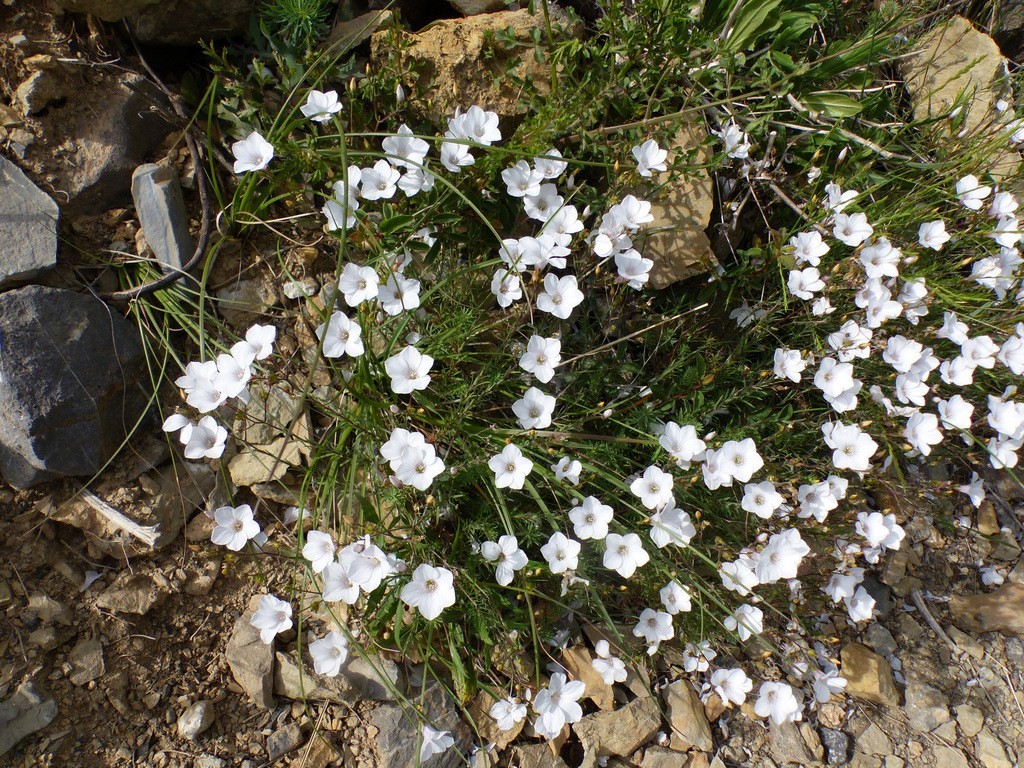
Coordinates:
<point>990,751</point>
<point>676,240</point>
<point>479,707</point>
<point>873,741</point>
<point>949,757</point>
<point>346,35</point>
<point>663,757</point>
<point>462,64</point>
<point>359,679</point>
<point>618,732</point>
<point>690,726</point>
<point>136,594</point>
<point>578,661</point>
<point>999,611</point>
<point>868,675</point>
<point>264,463</point>
<point>537,756</point>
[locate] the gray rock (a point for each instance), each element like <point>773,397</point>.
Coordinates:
<point>196,719</point>
<point>71,373</point>
<point>41,89</point>
<point>86,662</point>
<point>969,719</point>
<point>135,594</point>
<point>28,219</point>
<point>398,731</point>
<point>29,709</point>
<point>251,660</point>
<point>358,679</point>
<point>539,756</point>
<point>284,740</point>
<point>48,609</point>
<point>837,746</point>
<point>473,7</point>
<point>171,22</point>
<point>789,746</point>
<point>619,731</point>
<point>927,707</point>
<point>881,640</point>
<point>162,214</point>
<point>209,761</point>
<point>873,741</point>
<point>1009,31</point>
<point>690,726</point>
<point>44,637</point>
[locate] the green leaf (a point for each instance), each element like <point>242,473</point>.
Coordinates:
<point>833,104</point>
<point>755,19</point>
<point>395,223</point>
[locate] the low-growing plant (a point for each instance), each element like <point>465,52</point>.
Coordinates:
<point>515,442</point>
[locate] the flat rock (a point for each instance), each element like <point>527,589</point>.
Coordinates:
<point>71,384</point>
<point>881,640</point>
<point>873,741</point>
<point>250,659</point>
<point>359,679</point>
<point>29,709</point>
<point>970,719</point>
<point>48,609</point>
<point>927,708</point>
<point>676,240</point>
<point>990,751</point>
<point>868,675</point>
<point>284,740</point>
<point>620,731</point>
<point>473,7</point>
<point>28,218</point>
<point>396,744</point>
<point>690,726</point>
<point>346,35</point>
<point>999,611</point>
<point>172,22</point>
<point>578,661</point>
<point>663,757</point>
<point>788,746</point>
<point>837,746</point>
<point>459,61</point>
<point>949,757</point>
<point>161,211</point>
<point>87,663</point>
<point>196,719</point>
<point>244,302</point>
<point>479,708</point>
<point>264,463</point>
<point>538,756</point>
<point>137,594</point>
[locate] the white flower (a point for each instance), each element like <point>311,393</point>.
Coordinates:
<point>861,606</point>
<point>653,488</point>
<point>206,440</point>
<point>696,657</point>
<point>808,247</point>
<point>590,519</point>
<point>816,500</point>
<point>833,378</point>
<point>624,554</point>
<point>842,586</point>
<point>419,466</point>
<point>273,617</point>
<point>852,229</point>
<point>671,525</point>
<point>1004,204</point>
<point>318,550</point>
<point>975,490</point>
<point>379,181</point>
<point>922,432</point>
<point>416,180</point>
<point>739,460</point>
<point>822,306</point>
<point>560,297</point>
<point>358,284</point>
<point>455,156</point>
<point>932,234</point>
<point>234,527</point>
<point>253,153</point>
<point>409,370</point>
<point>320,105</point>
<point>980,351</point>
<point>338,585</point>
<point>550,165</point>
<point>258,344</point>
<point>1011,354</point>
<point>340,336</point>
<point>649,157</point>
<point>804,283</point>
<point>431,590</point>
<point>561,552</point>
<point>522,180</point>
<point>507,713</point>
<point>476,125</point>
<point>506,287</point>
<point>851,447</point>
<point>731,685</point>
<point>826,684</point>
<point>971,193</point>
<point>955,413</point>
<point>735,140</point>
<point>567,469</point>
<point>610,668</point>
<point>507,554</point>
<point>990,577</point>
<point>789,364</point>
<point>879,530</point>
<point>676,598</point>
<point>778,702</point>
<point>782,556</point>
<point>556,705</point>
<point>761,499</point>
<point>510,467</point>
<point>434,742</point>
<point>881,259</point>
<point>329,653</point>
<point>367,564</point>
<point>746,621</point>
<point>838,200</point>
<point>633,269</point>
<point>539,207</point>
<point>682,443</point>
<point>654,627</point>
<point>534,409</point>
<point>399,294</point>
<point>405,149</point>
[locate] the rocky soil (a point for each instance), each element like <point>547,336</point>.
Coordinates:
<point>125,638</point>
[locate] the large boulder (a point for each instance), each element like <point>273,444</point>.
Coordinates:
<point>171,22</point>
<point>71,374</point>
<point>28,218</point>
